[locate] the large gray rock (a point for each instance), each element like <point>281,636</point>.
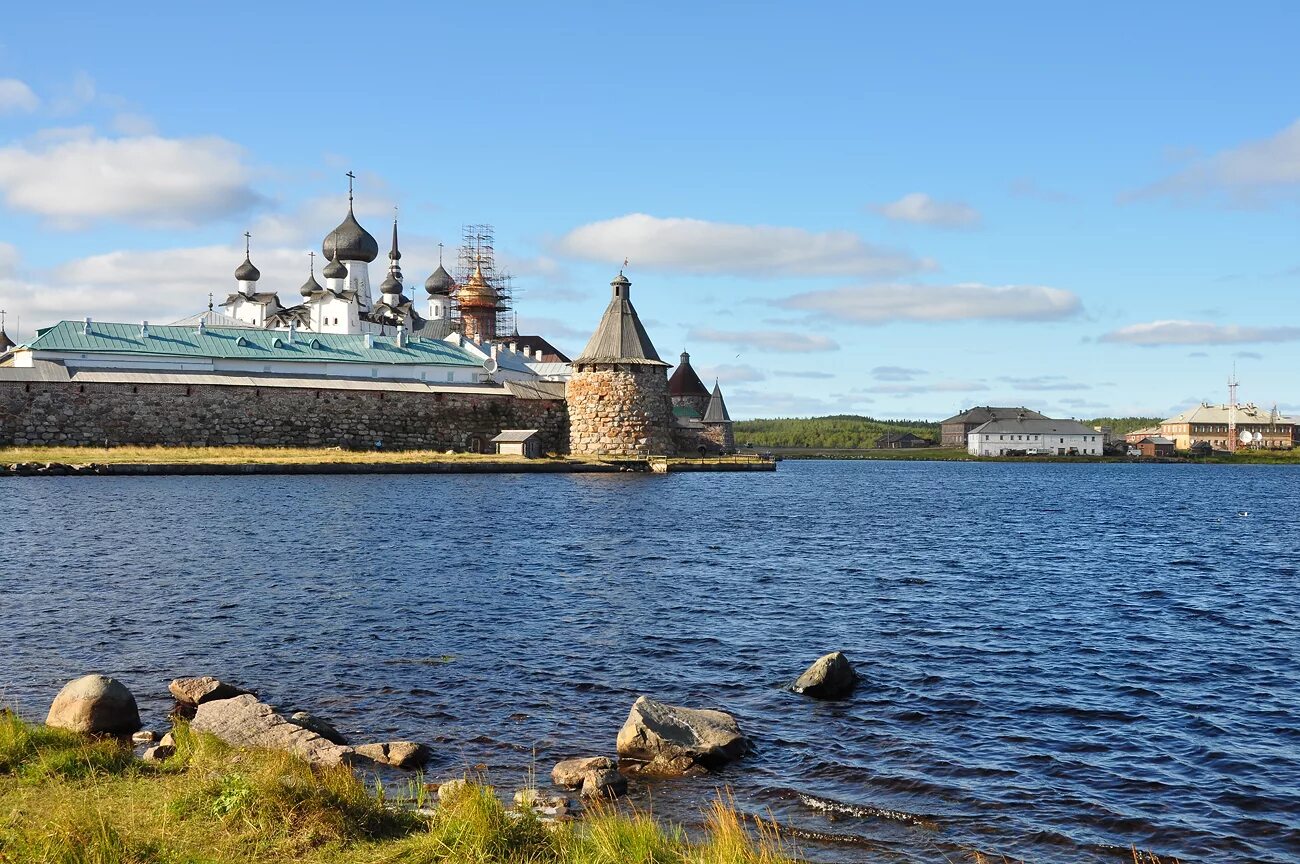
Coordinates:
<point>829,677</point>
<point>196,691</point>
<point>245,722</point>
<point>95,704</point>
<point>399,754</point>
<point>315,724</point>
<point>571,772</point>
<point>670,741</point>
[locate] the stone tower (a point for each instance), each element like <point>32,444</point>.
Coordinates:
<point>618,393</point>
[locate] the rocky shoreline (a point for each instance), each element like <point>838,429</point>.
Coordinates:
<point>656,741</point>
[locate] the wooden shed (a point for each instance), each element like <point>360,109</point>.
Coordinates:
<point>1155,445</point>
<point>518,442</point>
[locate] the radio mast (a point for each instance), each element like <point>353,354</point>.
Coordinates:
<point>1232,410</point>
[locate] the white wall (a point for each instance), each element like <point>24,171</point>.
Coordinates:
<point>998,443</point>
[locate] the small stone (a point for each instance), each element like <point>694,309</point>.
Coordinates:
<point>158,753</point>
<point>605,783</point>
<point>570,772</point>
<point>95,704</point>
<point>145,736</point>
<point>450,790</point>
<point>662,740</point>
<point>168,740</point>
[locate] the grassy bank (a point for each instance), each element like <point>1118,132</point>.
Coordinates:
<point>236,455</point>
<point>66,801</point>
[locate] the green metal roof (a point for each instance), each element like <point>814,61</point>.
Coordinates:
<point>246,344</point>
<point>685,411</point>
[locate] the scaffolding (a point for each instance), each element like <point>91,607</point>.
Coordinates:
<point>478,249</point>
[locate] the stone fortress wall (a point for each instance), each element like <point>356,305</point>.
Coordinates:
<point>198,415</point>
<point>612,408</point>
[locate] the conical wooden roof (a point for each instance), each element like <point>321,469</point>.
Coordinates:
<point>620,336</point>
<point>717,410</point>
<point>684,381</point>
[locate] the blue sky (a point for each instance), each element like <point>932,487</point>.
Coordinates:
<point>865,208</point>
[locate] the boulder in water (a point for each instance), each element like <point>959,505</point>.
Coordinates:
<point>95,704</point>
<point>603,783</point>
<point>571,772</point>
<point>670,741</point>
<point>399,754</point>
<point>829,677</point>
<point>196,691</point>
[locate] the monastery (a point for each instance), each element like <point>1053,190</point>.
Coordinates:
<point>344,367</point>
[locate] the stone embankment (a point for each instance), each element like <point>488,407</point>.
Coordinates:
<point>476,466</point>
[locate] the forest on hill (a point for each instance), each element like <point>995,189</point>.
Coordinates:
<point>839,431</point>
<point>853,431</point>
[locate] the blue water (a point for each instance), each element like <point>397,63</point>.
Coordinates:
<point>1059,661</point>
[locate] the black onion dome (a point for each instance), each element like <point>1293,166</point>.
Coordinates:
<point>246,272</point>
<point>335,269</point>
<point>439,282</point>
<point>310,287</point>
<point>350,241</point>
<point>390,286</point>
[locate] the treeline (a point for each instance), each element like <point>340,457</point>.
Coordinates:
<point>1124,425</point>
<point>839,431</point>
<point>853,431</point>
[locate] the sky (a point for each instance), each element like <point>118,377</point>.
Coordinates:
<point>899,210</point>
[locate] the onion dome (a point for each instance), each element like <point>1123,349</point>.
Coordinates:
<point>335,269</point>
<point>246,272</point>
<point>310,287</point>
<point>391,286</point>
<point>351,241</point>
<point>439,282</point>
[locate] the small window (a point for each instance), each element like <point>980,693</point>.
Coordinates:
<point>451,376</point>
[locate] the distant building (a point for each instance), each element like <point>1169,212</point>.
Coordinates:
<point>1034,436</point>
<point>902,441</point>
<point>1209,423</point>
<point>954,430</point>
<point>1156,445</point>
<point>1138,434</point>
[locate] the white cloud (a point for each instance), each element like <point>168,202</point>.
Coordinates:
<point>147,179</point>
<point>895,373</point>
<point>1251,174</point>
<point>16,97</point>
<point>810,375</point>
<point>158,286</point>
<point>8,259</point>
<point>731,373</point>
<point>921,209</point>
<point>1198,333</point>
<point>968,301</point>
<point>131,123</point>
<point>948,385</point>
<point>1044,382</point>
<point>553,329</point>
<point>765,340</point>
<point>714,248</point>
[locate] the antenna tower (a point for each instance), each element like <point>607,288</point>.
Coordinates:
<point>1232,410</point>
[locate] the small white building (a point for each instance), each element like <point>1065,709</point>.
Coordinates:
<point>518,442</point>
<point>1034,436</point>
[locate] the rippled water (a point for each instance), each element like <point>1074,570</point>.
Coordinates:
<point>1059,660</point>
